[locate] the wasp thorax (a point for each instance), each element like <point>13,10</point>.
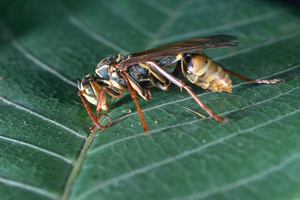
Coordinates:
<point>105,68</point>
<point>112,59</point>
<point>121,56</point>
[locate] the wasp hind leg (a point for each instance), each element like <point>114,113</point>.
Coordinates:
<point>245,78</point>
<point>254,80</point>
<point>180,83</point>
<point>169,60</point>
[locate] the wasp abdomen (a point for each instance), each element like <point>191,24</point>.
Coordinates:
<point>204,72</point>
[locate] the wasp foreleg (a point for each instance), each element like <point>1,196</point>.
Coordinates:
<point>93,118</point>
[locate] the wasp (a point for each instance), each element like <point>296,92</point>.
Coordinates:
<point>140,71</point>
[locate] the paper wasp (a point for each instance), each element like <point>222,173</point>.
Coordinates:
<point>139,71</point>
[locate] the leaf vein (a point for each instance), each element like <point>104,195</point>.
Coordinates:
<point>264,44</point>
<point>128,19</point>
<point>243,181</point>
<point>81,26</point>
<point>190,122</point>
<point>199,95</point>
<point>166,24</point>
<point>28,187</point>
<point>38,148</point>
<point>40,63</point>
<point>158,6</point>
<point>187,153</point>
<point>28,55</point>
<point>41,116</point>
<point>218,28</point>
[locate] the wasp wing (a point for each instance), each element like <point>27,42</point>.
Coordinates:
<point>195,44</point>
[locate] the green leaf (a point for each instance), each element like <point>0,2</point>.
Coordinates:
<point>46,151</point>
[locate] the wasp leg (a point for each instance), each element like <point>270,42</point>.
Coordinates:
<point>201,53</point>
<point>157,83</point>
<point>92,129</point>
<point>182,84</point>
<point>167,61</point>
<point>177,69</point>
<point>102,97</point>
<point>170,59</point>
<point>254,80</point>
<point>143,92</point>
<point>158,80</point>
<point>247,79</point>
<point>101,100</point>
<point>89,111</point>
<point>134,97</point>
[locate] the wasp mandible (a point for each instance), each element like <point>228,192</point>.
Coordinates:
<point>139,71</point>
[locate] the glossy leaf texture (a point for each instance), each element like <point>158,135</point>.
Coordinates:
<point>44,128</point>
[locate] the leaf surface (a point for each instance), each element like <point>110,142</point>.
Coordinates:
<point>48,153</point>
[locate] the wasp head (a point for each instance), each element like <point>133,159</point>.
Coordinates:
<point>89,87</point>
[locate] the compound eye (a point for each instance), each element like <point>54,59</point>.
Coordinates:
<point>88,90</point>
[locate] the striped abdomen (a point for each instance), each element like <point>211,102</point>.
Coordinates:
<point>204,72</point>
